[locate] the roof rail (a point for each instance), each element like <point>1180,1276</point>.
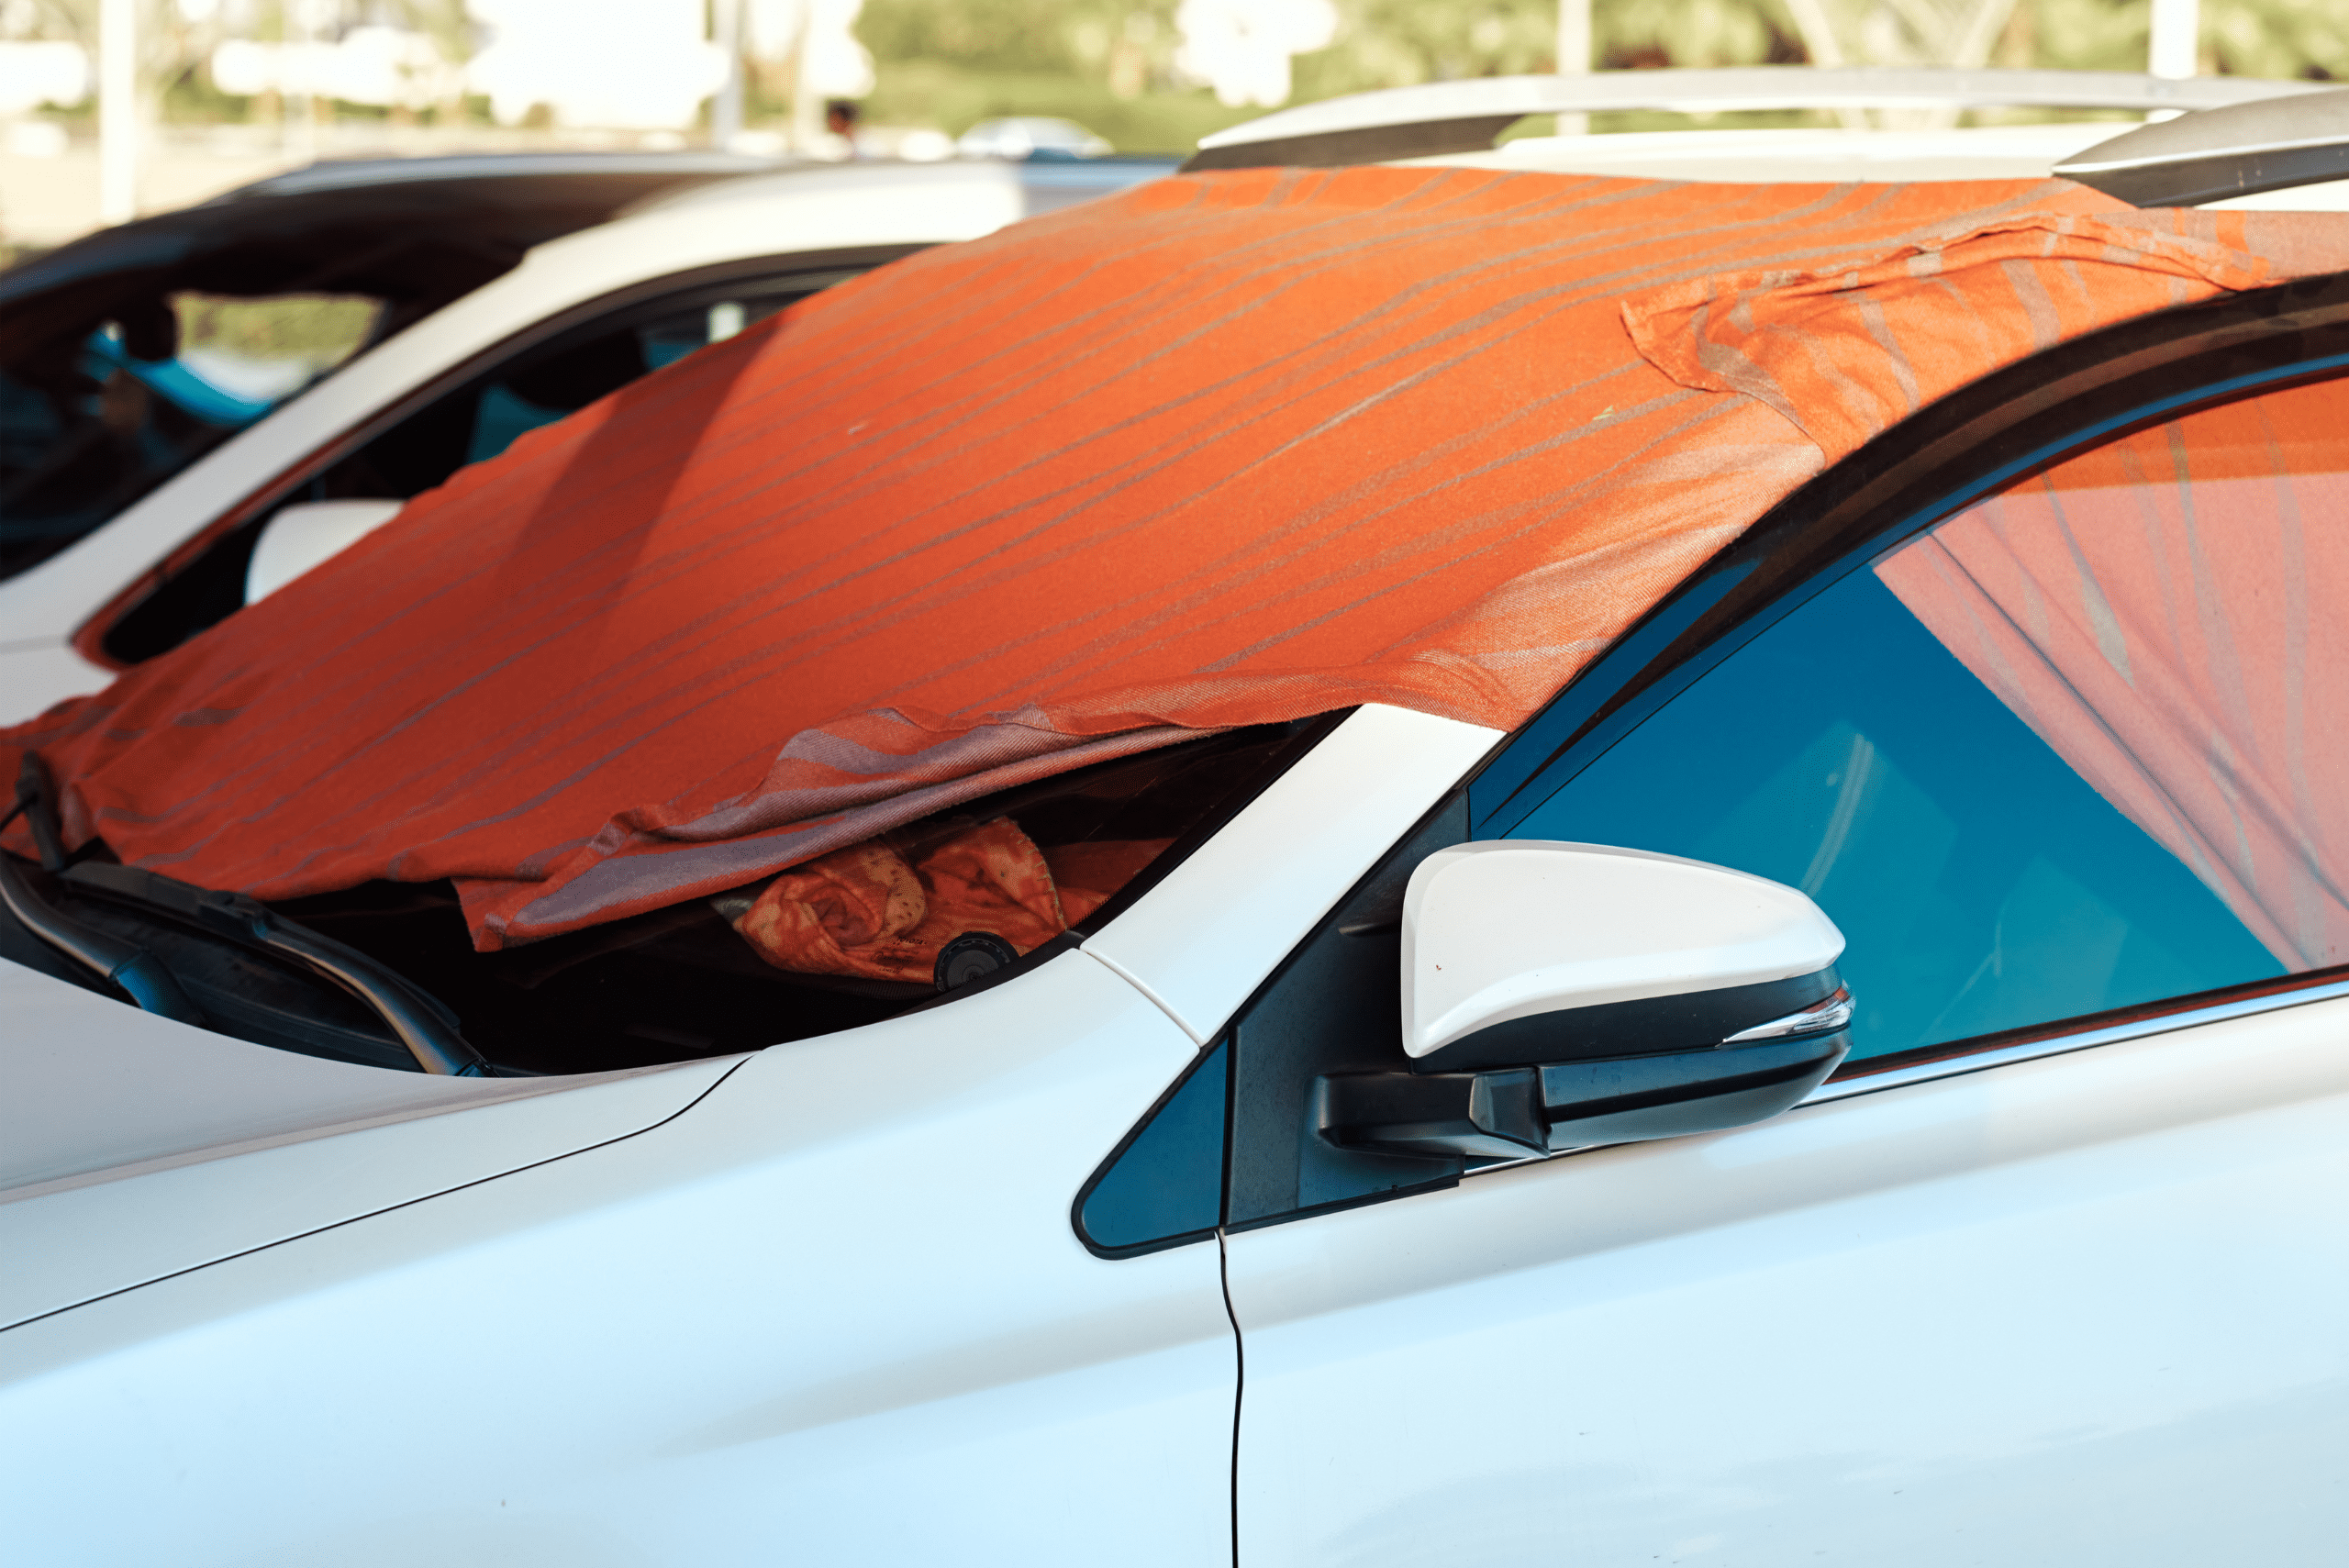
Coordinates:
<point>1441,117</point>
<point>2241,150</point>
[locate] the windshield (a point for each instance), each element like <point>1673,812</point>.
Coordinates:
<point>705,977</point>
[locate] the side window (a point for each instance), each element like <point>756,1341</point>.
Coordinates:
<point>2079,748</point>
<point>474,420</point>
<point>94,414</point>
<point>1163,1185</point>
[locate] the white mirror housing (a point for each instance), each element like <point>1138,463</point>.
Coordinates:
<point>1534,950</point>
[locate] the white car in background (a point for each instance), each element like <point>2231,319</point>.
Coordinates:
<point>579,316</point>
<point>1153,1248</point>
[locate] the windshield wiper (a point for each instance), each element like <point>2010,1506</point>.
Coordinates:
<point>416,1017</point>
<point>125,965</point>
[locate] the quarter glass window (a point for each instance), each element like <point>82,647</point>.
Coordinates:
<point>2082,747</point>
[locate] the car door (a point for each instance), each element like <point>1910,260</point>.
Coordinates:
<point>2051,1270</point>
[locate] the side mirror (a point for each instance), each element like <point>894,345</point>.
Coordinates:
<point>306,533</point>
<point>1558,995</point>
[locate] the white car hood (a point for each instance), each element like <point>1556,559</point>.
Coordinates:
<point>132,1147</point>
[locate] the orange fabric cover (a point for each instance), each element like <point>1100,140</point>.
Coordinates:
<point>2167,612</point>
<point>1225,449</point>
<point>1849,350</point>
<point>868,910</point>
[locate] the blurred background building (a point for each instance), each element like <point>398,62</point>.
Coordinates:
<point>206,95</point>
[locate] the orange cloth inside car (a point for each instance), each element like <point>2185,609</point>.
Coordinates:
<point>1223,450</point>
<point>884,909</point>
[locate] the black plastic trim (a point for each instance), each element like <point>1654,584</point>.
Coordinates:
<point>1432,1185</point>
<point>124,966</point>
<point>2190,182</point>
<point>1683,1084</point>
<point>1698,1021</point>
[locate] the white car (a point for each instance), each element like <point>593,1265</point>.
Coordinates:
<point>582,314</point>
<point>1938,1171</point>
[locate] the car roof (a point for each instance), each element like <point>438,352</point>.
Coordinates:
<point>1046,183</point>
<point>2220,124</point>
<point>506,202</point>
<point>460,169</point>
<point>1445,118</point>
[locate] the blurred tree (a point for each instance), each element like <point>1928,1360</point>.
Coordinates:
<point>2276,37</point>
<point>1127,44</point>
<point>1633,33</point>
<point>1108,64</point>
<point>176,38</point>
<point>1394,43</point>
<point>1074,35</point>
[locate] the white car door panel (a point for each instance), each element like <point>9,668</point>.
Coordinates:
<point>2078,1309</point>
<point>833,1313</point>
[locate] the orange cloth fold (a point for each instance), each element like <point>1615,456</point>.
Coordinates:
<point>1847,351</point>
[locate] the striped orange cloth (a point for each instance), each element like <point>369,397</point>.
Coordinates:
<point>1226,449</point>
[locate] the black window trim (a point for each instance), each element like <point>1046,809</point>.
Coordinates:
<point>89,638</point>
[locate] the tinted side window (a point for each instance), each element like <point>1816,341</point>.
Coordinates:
<point>2080,748</point>
<point>1163,1185</point>
<point>90,421</point>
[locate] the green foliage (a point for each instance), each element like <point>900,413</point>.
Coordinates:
<point>1108,63</point>
<point>953,98</point>
<point>1694,33</point>
<point>1079,38</point>
<point>2276,37</point>
<point>998,35</point>
<point>1396,43</point>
